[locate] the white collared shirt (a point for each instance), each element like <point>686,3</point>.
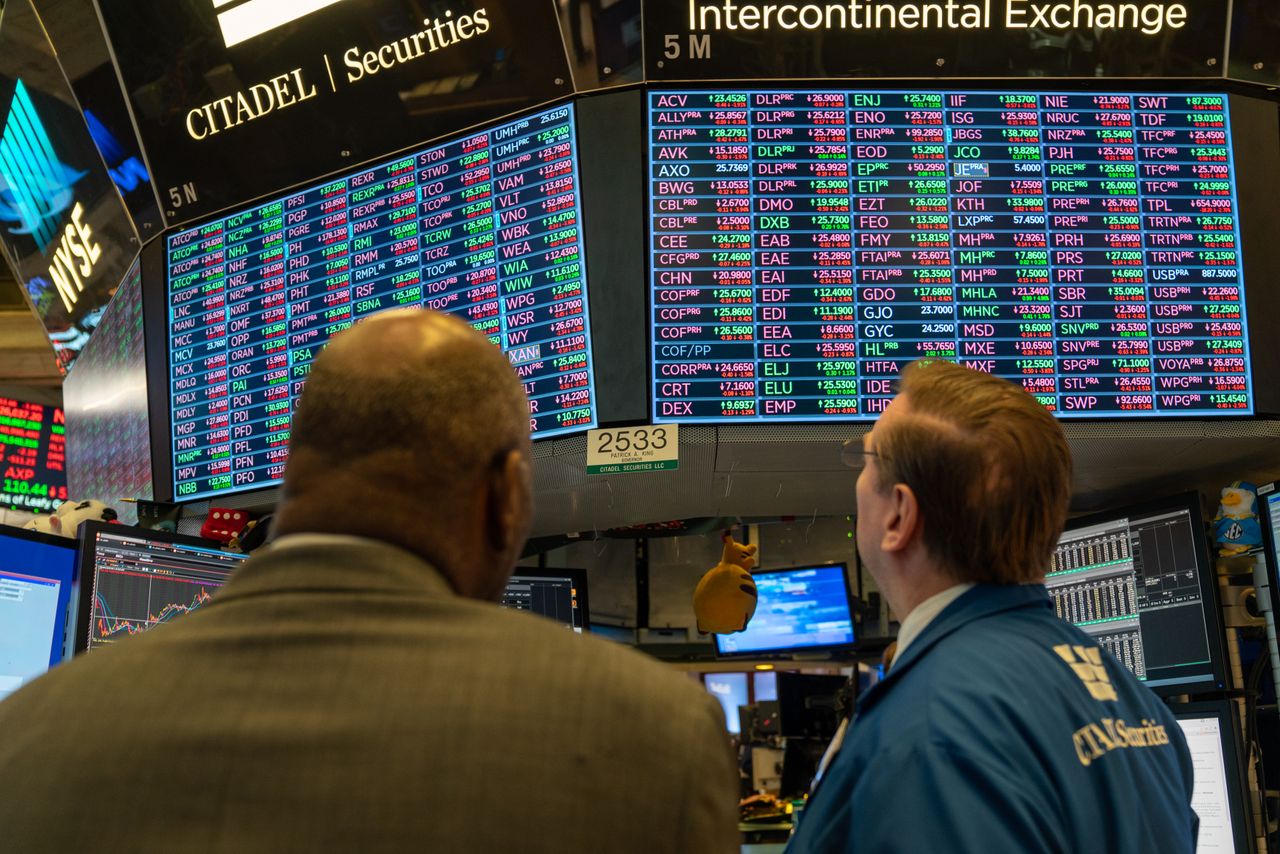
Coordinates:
<point>922,615</point>
<point>309,538</point>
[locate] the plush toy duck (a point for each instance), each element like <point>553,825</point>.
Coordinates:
<point>725,599</point>
<point>1236,528</point>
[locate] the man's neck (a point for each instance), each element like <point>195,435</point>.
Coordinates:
<point>915,586</point>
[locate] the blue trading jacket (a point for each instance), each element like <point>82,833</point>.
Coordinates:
<point>1003,728</point>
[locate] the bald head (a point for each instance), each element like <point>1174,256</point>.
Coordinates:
<point>414,429</point>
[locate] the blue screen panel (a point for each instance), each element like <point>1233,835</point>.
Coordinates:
<point>731,690</point>
<point>766,686</point>
<point>797,609</point>
<point>35,594</point>
<point>488,228</point>
<point>806,246</point>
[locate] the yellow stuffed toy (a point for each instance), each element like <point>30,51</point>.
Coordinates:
<point>725,599</point>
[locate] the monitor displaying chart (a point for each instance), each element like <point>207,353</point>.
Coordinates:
<point>134,579</point>
<point>488,228</point>
<point>806,246</point>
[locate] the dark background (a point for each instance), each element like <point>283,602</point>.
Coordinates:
<point>172,59</point>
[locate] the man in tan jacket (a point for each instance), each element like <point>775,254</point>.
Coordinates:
<point>354,688</point>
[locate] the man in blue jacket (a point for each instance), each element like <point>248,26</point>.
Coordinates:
<point>998,727</point>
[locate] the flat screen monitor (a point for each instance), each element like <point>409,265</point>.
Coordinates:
<point>730,689</point>
<point>33,456</point>
<point>1139,581</point>
<point>558,594</point>
<point>1212,731</point>
<point>801,609</point>
<point>806,245</point>
<point>108,427</point>
<point>133,579</point>
<point>487,227</point>
<point>1268,508</point>
<point>808,704</point>
<point>36,575</point>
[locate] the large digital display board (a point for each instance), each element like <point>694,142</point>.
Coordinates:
<point>33,456</point>
<point>806,246</point>
<point>487,227</point>
<point>108,427</point>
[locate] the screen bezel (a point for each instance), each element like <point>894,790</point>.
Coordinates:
<point>577,576</point>
<point>71,592</point>
<point>87,574</point>
<point>1270,559</point>
<point>773,652</point>
<point>1206,578</point>
<point>1232,761</point>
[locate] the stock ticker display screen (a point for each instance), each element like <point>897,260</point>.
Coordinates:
<point>806,246</point>
<point>33,453</point>
<point>487,227</point>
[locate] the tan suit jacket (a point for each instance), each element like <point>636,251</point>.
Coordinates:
<point>343,698</point>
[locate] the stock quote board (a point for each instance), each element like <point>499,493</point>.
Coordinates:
<point>487,227</point>
<point>806,246</point>
<point>33,453</point>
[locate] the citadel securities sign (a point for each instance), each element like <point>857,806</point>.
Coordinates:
<point>719,39</point>
<point>290,88</point>
<point>234,99</point>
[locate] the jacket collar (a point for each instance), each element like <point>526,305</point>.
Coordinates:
<point>336,564</point>
<point>979,603</point>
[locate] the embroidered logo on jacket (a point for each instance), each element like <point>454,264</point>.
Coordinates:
<point>1086,663</point>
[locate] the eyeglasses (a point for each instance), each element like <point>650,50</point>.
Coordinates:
<point>854,455</point>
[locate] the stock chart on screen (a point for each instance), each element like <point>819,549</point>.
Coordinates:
<point>807,245</point>
<point>139,579</point>
<point>487,227</point>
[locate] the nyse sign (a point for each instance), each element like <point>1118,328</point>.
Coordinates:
<point>73,259</point>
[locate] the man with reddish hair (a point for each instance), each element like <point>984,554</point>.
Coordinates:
<point>998,726</point>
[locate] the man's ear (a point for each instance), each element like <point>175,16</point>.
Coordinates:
<point>509,502</point>
<point>902,519</point>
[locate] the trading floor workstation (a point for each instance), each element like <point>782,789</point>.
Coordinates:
<point>708,237</point>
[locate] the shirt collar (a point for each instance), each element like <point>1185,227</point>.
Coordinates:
<point>334,562</point>
<point>923,614</point>
<point>293,541</point>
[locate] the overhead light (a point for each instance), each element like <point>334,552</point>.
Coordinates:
<point>242,20</point>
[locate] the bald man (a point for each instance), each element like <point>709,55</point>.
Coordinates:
<point>354,688</point>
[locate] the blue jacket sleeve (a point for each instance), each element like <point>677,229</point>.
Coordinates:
<point>921,798</point>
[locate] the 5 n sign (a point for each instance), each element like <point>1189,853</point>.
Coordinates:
<point>632,449</point>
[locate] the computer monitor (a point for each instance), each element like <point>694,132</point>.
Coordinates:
<point>1139,581</point>
<point>132,579</point>
<point>730,689</point>
<point>36,575</point>
<point>809,704</point>
<point>559,594</point>
<point>1212,731</point>
<point>1268,509</point>
<point>797,610</point>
